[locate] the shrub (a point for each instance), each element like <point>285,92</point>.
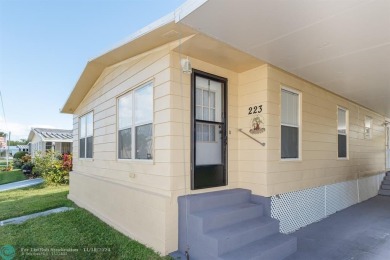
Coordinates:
<point>27,167</point>
<point>5,168</point>
<point>19,155</point>
<point>18,159</point>
<point>18,164</point>
<point>52,167</point>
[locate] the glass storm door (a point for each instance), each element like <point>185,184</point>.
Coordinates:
<point>209,131</point>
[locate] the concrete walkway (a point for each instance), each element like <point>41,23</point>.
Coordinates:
<point>20,220</point>
<point>358,232</point>
<point>20,184</point>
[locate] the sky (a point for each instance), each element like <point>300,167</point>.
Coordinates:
<point>45,45</point>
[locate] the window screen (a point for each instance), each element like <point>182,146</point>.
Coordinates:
<point>342,132</point>
<point>135,123</point>
<point>86,136</point>
<point>289,125</point>
<point>367,127</point>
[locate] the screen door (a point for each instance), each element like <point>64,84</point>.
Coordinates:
<point>209,132</point>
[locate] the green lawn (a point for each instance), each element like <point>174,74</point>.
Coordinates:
<point>12,176</point>
<point>38,198</point>
<point>76,230</point>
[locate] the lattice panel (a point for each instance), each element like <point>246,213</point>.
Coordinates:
<point>340,196</point>
<point>299,208</point>
<point>368,187</point>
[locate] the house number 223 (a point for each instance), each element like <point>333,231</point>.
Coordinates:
<point>255,110</point>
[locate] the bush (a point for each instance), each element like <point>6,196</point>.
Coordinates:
<point>19,155</point>
<point>6,169</point>
<point>52,167</point>
<point>27,167</point>
<point>18,164</point>
<point>18,159</point>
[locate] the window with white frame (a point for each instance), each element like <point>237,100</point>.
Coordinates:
<point>49,145</point>
<point>86,136</point>
<point>135,123</point>
<point>367,127</point>
<point>205,110</point>
<point>342,132</point>
<point>290,124</point>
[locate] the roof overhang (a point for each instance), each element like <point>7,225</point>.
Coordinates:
<point>342,46</point>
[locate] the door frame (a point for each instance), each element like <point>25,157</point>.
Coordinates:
<point>224,82</point>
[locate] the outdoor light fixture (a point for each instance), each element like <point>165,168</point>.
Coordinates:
<point>186,66</point>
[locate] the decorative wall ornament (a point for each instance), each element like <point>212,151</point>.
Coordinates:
<point>257,125</point>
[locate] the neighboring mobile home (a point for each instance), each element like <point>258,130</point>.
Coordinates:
<point>47,139</point>
<point>290,113</point>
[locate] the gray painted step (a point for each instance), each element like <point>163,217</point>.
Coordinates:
<point>388,173</point>
<point>227,224</point>
<point>385,186</point>
<point>221,217</point>
<point>235,236</point>
<point>384,192</point>
<point>273,247</point>
<point>387,178</point>
<point>385,182</point>
<point>204,201</point>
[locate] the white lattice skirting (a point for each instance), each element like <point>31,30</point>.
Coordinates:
<point>301,208</point>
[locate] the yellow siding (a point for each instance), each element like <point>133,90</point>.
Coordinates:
<point>252,156</point>
<point>319,164</point>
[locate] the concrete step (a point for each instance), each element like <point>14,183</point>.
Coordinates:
<point>387,182</point>
<point>273,247</point>
<point>387,178</point>
<point>232,237</point>
<point>384,192</point>
<point>210,200</point>
<point>385,186</point>
<point>217,218</point>
<point>388,173</point>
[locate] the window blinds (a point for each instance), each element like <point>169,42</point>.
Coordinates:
<point>290,106</point>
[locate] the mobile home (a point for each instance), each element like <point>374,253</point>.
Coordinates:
<point>222,115</point>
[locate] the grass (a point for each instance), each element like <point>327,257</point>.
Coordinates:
<point>11,176</point>
<point>34,199</point>
<point>77,230</point>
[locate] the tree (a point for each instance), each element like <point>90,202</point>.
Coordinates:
<point>2,134</point>
<point>20,142</point>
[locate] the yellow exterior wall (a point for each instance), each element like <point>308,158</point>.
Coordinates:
<point>133,196</point>
<point>252,157</point>
<point>319,164</point>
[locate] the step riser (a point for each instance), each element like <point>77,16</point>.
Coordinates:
<point>281,251</point>
<point>386,182</point>
<point>384,192</point>
<point>233,217</point>
<point>387,178</point>
<point>233,243</point>
<point>388,173</point>
<point>196,203</point>
<point>271,247</point>
<point>385,187</point>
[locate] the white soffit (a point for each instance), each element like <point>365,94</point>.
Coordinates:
<point>343,45</point>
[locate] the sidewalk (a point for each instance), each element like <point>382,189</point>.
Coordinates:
<point>20,184</point>
<point>20,220</point>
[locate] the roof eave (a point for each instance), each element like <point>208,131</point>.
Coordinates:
<point>95,67</point>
